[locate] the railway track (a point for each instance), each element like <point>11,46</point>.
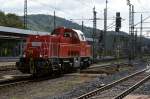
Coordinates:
<point>106,68</point>
<point>9,59</point>
<point>28,78</point>
<point>24,79</point>
<point>115,83</point>
<point>13,67</point>
<point>132,88</point>
<point>15,80</point>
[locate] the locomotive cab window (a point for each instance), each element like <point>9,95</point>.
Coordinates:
<point>75,35</point>
<point>82,37</point>
<point>67,34</point>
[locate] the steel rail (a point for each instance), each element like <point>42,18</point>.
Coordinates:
<point>13,81</point>
<point>108,86</point>
<point>26,79</point>
<point>132,88</point>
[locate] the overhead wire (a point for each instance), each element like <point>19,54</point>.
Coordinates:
<point>142,20</point>
<point>111,25</point>
<point>50,6</point>
<point>43,4</point>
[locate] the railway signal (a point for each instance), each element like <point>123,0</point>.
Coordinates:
<point>118,22</point>
<point>117,29</point>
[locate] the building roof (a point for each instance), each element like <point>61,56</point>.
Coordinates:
<point>9,31</point>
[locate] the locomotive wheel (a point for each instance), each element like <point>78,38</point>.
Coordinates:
<point>19,65</point>
<point>58,72</point>
<point>48,68</point>
<point>63,68</point>
<point>22,66</point>
<point>33,70</point>
<point>84,65</point>
<point>87,64</point>
<point>67,68</point>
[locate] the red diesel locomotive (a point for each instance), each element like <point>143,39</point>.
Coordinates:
<point>59,52</point>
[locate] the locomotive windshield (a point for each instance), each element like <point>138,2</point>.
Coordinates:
<point>82,37</point>
<point>67,34</point>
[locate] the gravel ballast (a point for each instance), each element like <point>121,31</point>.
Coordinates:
<point>87,87</point>
<point>66,87</point>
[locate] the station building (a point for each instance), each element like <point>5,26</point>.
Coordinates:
<point>12,40</point>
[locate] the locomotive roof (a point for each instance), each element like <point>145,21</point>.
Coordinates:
<point>80,34</point>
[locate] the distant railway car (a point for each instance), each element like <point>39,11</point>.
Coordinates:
<point>62,51</point>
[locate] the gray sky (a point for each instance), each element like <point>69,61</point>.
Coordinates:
<point>73,9</point>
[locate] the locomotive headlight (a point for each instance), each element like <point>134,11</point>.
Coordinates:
<point>24,55</point>
<point>40,55</point>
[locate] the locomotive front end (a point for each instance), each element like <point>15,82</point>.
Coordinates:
<point>35,55</point>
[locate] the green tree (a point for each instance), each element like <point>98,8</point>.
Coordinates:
<point>10,20</point>
<point>2,18</point>
<point>13,21</point>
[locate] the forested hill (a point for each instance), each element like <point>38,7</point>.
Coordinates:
<point>10,20</point>
<point>41,22</point>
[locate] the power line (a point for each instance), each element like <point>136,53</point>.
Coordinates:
<point>142,12</point>
<point>85,4</point>
<point>111,25</point>
<point>50,6</point>
<point>142,20</point>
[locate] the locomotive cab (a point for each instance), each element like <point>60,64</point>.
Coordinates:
<point>74,49</point>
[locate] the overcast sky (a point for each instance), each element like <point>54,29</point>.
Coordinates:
<point>74,9</point>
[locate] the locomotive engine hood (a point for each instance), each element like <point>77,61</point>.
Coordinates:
<point>37,46</point>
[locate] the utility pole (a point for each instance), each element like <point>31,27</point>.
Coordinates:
<point>117,29</point>
<point>132,33</point>
<point>54,20</point>
<point>135,40</point>
<point>82,23</point>
<point>131,30</point>
<point>25,14</point>
<point>82,26</point>
<point>94,34</point>
<point>25,24</point>
<point>105,27</point>
<point>129,47</point>
<point>141,30</point>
